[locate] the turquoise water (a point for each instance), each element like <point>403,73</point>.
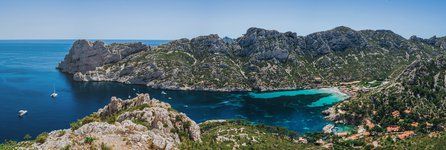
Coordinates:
<point>333,95</point>
<point>27,76</point>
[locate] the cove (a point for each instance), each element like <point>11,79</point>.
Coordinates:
<point>335,95</point>
<point>28,73</point>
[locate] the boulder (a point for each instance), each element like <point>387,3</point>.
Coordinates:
<point>328,128</point>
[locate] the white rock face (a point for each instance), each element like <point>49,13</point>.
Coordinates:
<point>328,128</point>
<point>86,56</point>
<point>141,123</point>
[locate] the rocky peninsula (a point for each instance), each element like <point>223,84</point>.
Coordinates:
<point>259,60</point>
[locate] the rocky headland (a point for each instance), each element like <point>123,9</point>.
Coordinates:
<point>261,60</point>
<point>85,56</point>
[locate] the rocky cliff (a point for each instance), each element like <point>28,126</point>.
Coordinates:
<point>433,41</point>
<point>258,60</point>
<point>85,56</point>
<point>138,123</point>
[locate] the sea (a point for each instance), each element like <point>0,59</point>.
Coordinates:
<point>28,76</point>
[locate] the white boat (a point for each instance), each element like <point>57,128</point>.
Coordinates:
<point>169,98</point>
<point>164,93</point>
<point>22,113</point>
<point>186,106</point>
<point>54,94</point>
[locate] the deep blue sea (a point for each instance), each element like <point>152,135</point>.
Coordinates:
<point>28,73</point>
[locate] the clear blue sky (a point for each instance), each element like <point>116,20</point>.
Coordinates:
<point>172,19</point>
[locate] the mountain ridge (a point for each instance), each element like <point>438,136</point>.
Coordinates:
<point>261,60</point>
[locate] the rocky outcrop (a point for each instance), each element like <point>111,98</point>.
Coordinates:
<point>210,44</point>
<point>441,42</point>
<point>261,44</point>
<point>86,56</point>
<point>200,46</point>
<point>337,40</point>
<point>328,129</point>
<point>138,123</point>
<point>433,41</point>
<point>258,60</point>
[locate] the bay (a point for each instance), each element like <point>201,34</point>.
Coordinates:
<point>28,73</point>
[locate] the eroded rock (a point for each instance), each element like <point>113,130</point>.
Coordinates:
<point>138,123</point>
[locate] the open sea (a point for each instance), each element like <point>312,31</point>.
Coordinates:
<point>28,73</point>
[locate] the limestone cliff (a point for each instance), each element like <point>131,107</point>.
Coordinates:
<point>138,123</point>
<point>85,56</point>
<point>258,60</point>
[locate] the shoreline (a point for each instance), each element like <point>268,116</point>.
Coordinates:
<point>226,90</point>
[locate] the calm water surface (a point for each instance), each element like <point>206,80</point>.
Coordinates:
<point>27,76</point>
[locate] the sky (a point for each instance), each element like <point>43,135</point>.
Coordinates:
<point>173,19</point>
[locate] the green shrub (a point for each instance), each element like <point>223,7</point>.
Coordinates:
<point>61,133</point>
<point>75,125</point>
<point>187,124</point>
<point>27,137</point>
<point>89,140</point>
<point>83,121</point>
<point>9,145</point>
<point>41,138</point>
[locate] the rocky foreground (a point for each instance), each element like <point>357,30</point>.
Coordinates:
<point>138,123</point>
<point>258,60</point>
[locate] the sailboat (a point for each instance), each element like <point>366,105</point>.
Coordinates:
<point>54,94</point>
<point>22,113</point>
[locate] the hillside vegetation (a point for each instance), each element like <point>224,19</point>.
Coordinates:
<point>259,60</point>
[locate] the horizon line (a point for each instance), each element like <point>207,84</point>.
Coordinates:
<point>43,39</point>
<point>243,33</point>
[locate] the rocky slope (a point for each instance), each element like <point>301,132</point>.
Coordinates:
<point>413,103</point>
<point>259,60</point>
<point>138,123</point>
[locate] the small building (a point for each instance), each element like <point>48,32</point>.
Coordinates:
<point>406,134</point>
<point>318,80</point>
<point>369,124</point>
<point>393,128</point>
<point>396,114</point>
